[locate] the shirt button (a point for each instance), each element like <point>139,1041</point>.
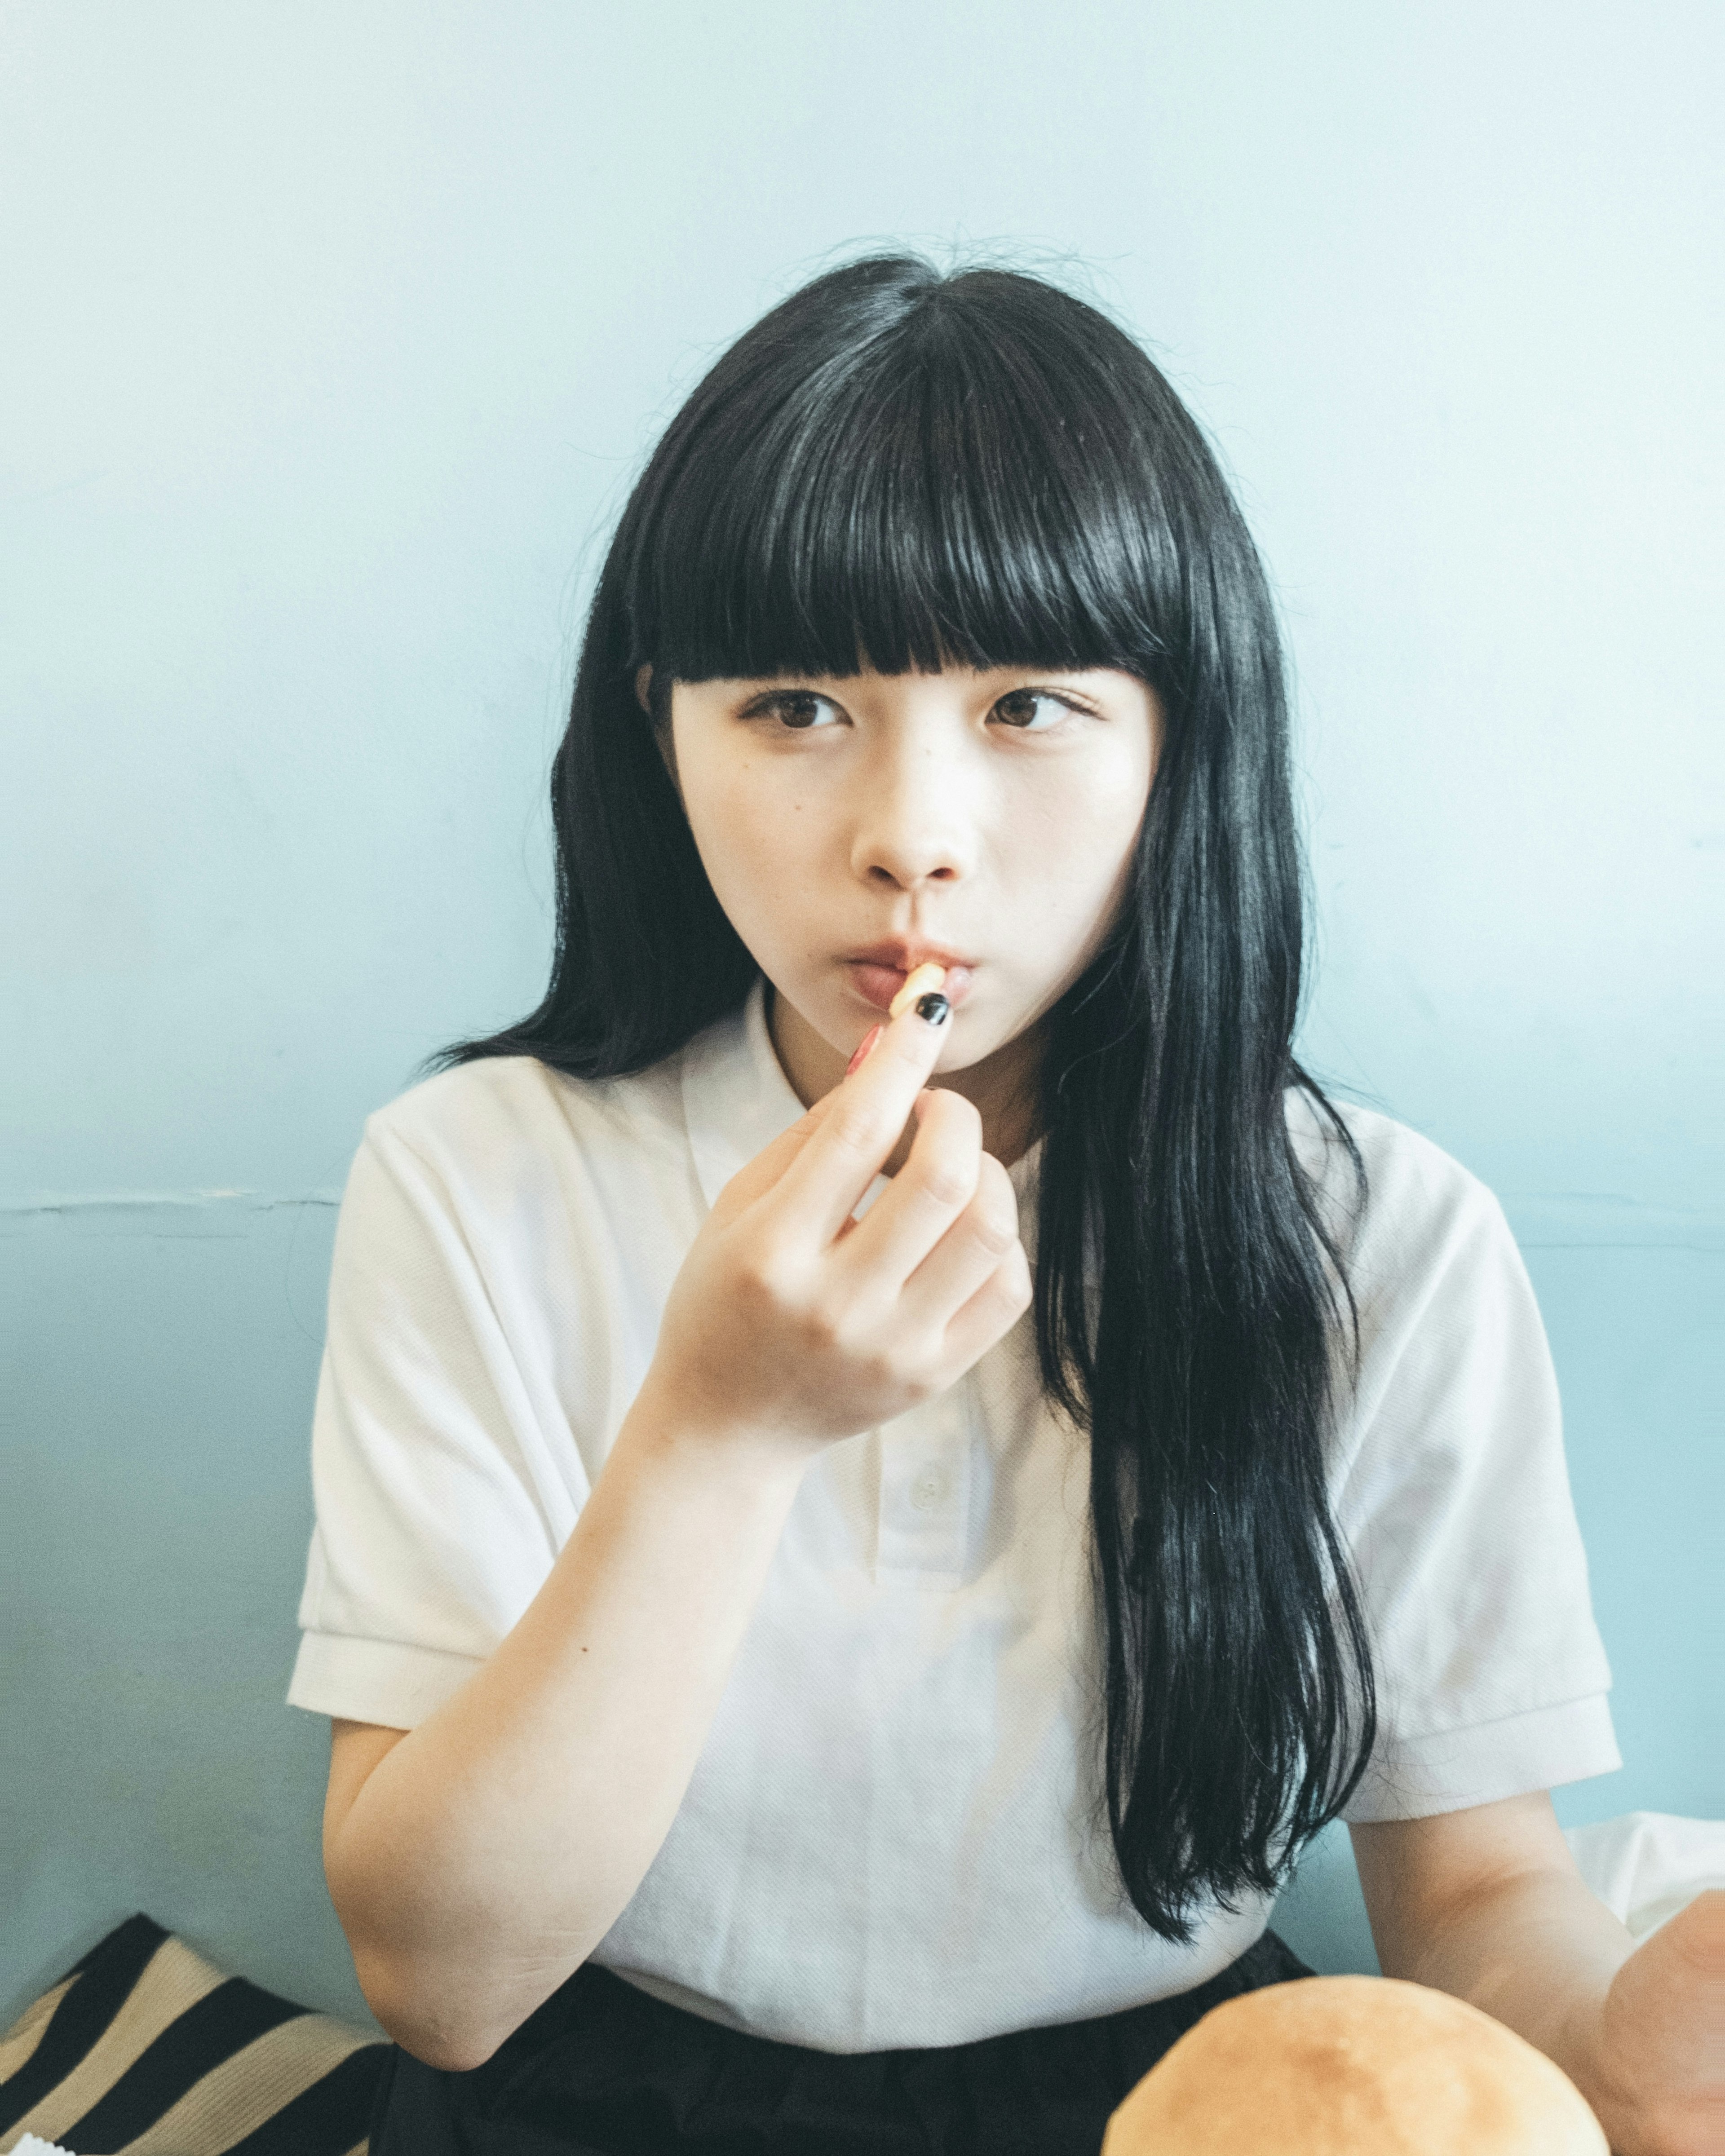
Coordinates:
<point>932,1484</point>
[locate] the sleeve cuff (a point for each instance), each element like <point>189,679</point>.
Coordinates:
<point>1448,1771</point>
<point>380,1680</point>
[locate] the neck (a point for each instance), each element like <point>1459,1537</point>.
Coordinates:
<point>1003,1087</point>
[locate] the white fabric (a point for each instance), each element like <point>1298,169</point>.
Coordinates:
<point>891,1839</point>
<point>1647,1865</point>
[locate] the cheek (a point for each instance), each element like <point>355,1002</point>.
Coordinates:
<point>753,839</point>
<point>1077,833</point>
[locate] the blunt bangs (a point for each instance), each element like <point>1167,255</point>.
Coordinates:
<point>899,472</point>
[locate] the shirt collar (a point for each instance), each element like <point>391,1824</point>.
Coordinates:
<point>735,1096</point>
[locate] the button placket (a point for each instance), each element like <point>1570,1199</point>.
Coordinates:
<point>930,1484</point>
<point>925,1494</point>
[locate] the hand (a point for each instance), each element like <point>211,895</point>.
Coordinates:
<point>791,1324</point>
<point>1659,2046</point>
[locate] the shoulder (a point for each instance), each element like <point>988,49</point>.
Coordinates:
<point>507,1125</point>
<point>1405,1209</point>
<point>500,1097</point>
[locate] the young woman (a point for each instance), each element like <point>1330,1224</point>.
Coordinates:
<point>842,1585</point>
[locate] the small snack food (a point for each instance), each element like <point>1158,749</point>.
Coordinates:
<point>920,981</point>
<point>1352,2066</point>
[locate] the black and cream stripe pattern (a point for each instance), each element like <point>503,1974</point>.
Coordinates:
<point>145,2049</point>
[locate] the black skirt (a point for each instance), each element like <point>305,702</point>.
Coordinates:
<point>604,2070</point>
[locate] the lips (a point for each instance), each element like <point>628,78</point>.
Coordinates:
<point>902,954</point>
<point>878,972</point>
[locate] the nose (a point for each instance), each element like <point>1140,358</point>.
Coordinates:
<point>915,823</point>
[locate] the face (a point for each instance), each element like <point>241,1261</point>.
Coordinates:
<point>852,828</point>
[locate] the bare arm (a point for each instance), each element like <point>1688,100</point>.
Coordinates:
<point>475,1862</point>
<point>1487,1904</point>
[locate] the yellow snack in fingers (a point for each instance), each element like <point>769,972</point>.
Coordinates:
<point>918,982</point>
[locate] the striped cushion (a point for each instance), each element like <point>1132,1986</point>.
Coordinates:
<point>144,2047</point>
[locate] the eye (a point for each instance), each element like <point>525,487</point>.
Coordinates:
<point>1032,710</point>
<point>800,710</point>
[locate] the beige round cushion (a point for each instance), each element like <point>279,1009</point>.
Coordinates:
<point>1352,2066</point>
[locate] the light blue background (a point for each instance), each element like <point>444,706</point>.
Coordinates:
<point>331,339</point>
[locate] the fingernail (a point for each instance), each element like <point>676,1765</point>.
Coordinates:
<point>921,981</point>
<point>863,1047</point>
<point>934,1007</point>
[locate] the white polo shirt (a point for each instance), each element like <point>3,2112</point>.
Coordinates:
<point>889,1839</point>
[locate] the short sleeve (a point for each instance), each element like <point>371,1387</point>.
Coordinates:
<point>438,1516</point>
<point>1454,1502</point>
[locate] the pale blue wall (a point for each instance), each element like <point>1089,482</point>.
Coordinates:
<point>331,338</point>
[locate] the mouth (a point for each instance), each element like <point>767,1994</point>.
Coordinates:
<point>879,972</point>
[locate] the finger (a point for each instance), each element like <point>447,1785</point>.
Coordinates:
<point>972,1248</point>
<point>865,1113</point>
<point>992,1311</point>
<point>863,1047</point>
<point>926,1198</point>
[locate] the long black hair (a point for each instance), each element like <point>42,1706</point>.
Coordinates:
<point>901,469</point>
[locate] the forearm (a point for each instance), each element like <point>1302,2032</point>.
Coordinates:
<point>1537,1950</point>
<point>492,1848</point>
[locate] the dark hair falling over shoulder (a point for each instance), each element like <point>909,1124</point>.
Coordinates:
<point>901,469</point>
